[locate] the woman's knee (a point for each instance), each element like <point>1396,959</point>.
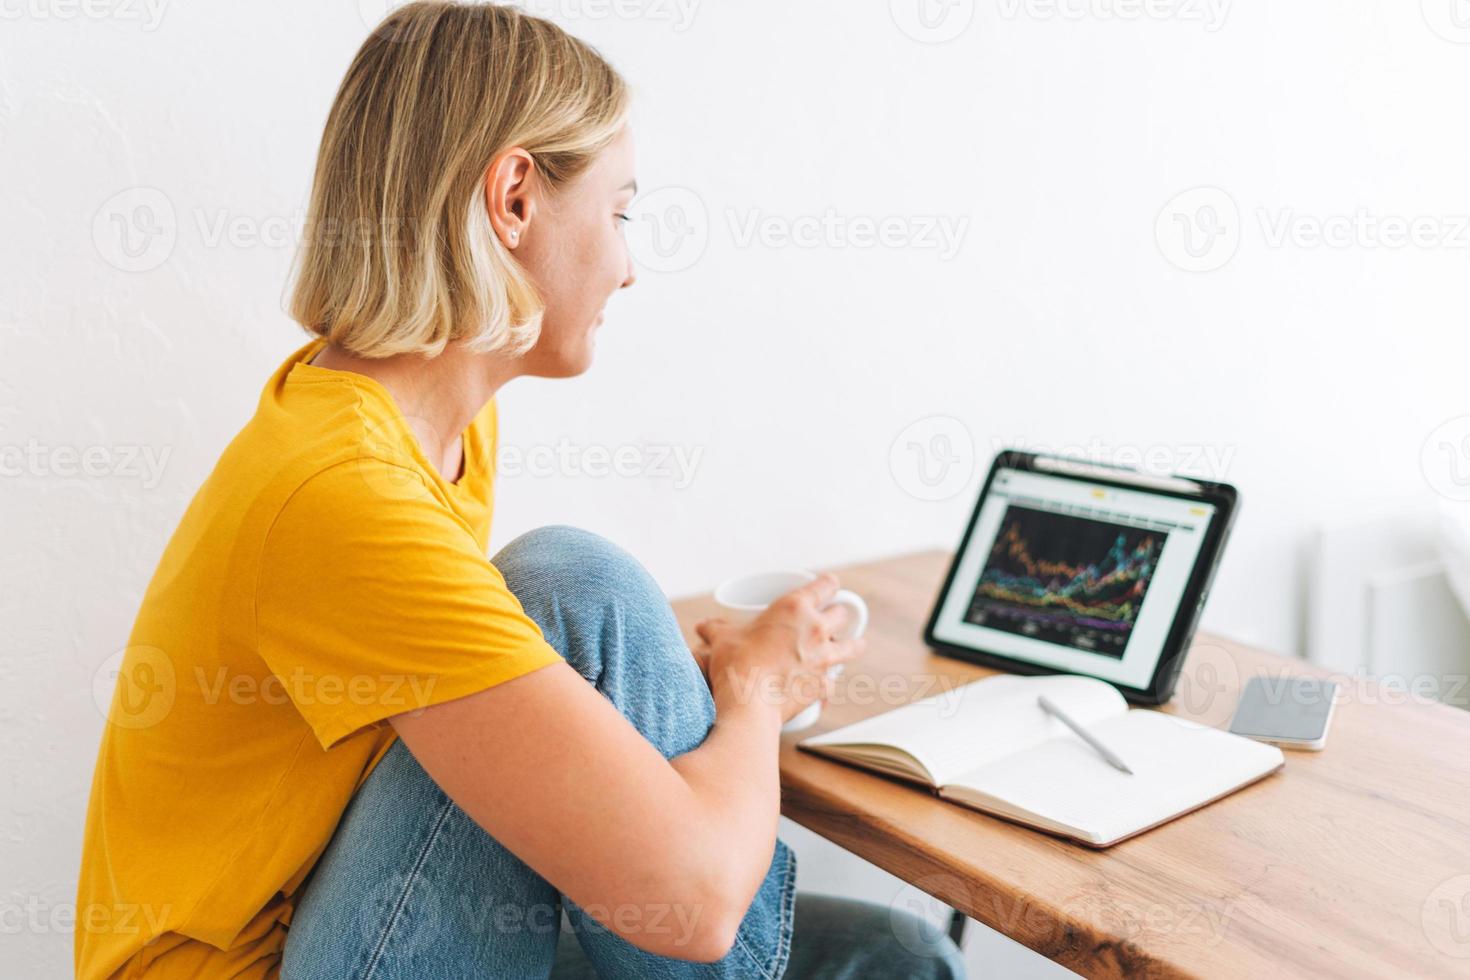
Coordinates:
<point>603,611</point>
<point>558,565</point>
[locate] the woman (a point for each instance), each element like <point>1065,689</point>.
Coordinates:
<point>343,744</point>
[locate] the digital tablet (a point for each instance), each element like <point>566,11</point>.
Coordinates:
<point>1083,568</point>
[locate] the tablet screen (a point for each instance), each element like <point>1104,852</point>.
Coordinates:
<point>1074,575</point>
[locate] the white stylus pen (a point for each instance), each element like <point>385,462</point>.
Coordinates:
<point>1082,733</point>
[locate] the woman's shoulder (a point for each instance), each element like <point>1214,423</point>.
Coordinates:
<point>317,430</point>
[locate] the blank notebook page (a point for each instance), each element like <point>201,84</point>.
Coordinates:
<point>1177,765</point>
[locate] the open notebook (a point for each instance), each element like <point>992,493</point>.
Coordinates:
<point>989,746</point>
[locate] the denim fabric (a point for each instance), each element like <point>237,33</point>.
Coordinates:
<point>837,939</point>
<point>410,887</point>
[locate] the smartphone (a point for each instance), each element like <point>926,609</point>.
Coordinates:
<point>1292,712</point>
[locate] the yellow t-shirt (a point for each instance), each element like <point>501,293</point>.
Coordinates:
<point>324,578</point>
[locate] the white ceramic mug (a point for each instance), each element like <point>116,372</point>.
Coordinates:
<point>742,599</point>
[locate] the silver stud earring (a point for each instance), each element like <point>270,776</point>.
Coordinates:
<point>514,235</point>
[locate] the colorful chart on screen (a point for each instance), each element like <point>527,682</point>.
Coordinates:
<point>1076,581</point>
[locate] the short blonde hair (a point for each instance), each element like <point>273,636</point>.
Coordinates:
<point>399,254</point>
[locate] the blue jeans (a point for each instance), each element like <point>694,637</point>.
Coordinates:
<point>410,887</point>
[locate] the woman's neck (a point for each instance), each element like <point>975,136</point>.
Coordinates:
<point>437,396</point>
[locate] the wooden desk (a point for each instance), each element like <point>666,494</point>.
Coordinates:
<point>1351,861</point>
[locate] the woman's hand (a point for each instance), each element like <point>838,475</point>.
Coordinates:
<point>783,655</point>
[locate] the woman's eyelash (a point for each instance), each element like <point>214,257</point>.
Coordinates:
<point>622,217</point>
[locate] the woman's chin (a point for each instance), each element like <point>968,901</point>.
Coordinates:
<point>580,361</point>
<point>568,360</point>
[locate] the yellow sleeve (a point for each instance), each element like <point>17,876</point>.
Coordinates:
<point>369,605</point>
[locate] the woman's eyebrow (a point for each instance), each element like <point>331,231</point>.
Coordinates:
<point>631,185</point>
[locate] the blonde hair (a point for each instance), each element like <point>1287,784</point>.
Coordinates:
<point>399,254</point>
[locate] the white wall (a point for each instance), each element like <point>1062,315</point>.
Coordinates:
<point>1059,143</point>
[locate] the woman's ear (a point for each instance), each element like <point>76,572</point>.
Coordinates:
<point>510,195</point>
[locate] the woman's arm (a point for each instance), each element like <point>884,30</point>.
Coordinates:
<point>552,770</point>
